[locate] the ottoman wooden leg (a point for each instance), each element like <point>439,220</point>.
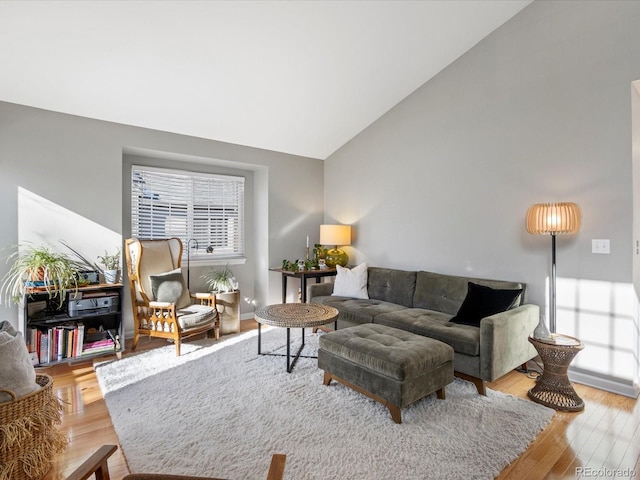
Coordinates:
<point>327,378</point>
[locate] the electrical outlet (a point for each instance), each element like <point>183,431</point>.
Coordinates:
<point>601,246</point>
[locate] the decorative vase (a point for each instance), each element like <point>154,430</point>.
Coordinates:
<point>541,332</point>
<point>335,257</point>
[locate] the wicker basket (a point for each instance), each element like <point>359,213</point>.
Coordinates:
<point>29,436</point>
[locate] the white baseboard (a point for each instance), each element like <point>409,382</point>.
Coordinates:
<point>621,387</point>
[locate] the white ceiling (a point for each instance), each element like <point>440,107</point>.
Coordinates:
<point>301,77</point>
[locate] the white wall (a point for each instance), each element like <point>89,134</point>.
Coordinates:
<point>71,169</point>
<point>635,123</point>
<point>539,111</point>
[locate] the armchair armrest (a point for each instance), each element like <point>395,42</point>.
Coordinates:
<point>96,464</point>
<point>504,341</point>
<point>162,305</point>
<point>319,290</point>
<point>204,298</point>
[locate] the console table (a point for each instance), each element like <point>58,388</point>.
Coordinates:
<point>303,275</point>
<point>553,388</point>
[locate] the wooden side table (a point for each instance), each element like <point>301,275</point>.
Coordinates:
<point>553,388</point>
<point>303,275</point>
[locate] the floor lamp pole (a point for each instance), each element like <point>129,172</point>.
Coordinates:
<point>552,310</point>
<point>189,258</point>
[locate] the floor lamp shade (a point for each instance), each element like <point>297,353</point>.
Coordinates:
<point>553,219</point>
<point>335,235</point>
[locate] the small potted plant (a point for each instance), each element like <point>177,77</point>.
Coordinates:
<point>220,280</point>
<point>111,266</point>
<point>38,267</point>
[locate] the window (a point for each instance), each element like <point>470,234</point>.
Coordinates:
<point>191,206</point>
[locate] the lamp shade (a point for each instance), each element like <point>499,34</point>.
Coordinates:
<point>553,218</point>
<point>335,235</point>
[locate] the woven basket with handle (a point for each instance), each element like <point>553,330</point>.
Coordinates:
<point>29,434</point>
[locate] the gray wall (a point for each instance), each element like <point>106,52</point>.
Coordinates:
<point>539,111</point>
<point>70,167</point>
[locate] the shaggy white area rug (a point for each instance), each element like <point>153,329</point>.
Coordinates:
<point>221,410</point>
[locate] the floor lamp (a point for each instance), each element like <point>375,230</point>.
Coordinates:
<point>553,219</point>
<point>189,258</point>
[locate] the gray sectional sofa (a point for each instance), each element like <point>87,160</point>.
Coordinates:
<point>425,302</point>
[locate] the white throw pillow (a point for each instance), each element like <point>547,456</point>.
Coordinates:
<point>351,283</point>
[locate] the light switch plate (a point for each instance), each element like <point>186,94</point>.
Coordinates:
<point>601,246</point>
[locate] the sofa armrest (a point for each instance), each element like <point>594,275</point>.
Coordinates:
<point>504,343</point>
<point>323,289</point>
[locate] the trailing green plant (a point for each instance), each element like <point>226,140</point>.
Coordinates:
<point>110,262</point>
<point>293,266</point>
<point>220,279</point>
<point>41,267</point>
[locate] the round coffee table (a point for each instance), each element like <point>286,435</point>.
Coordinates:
<point>294,315</point>
<point>553,388</point>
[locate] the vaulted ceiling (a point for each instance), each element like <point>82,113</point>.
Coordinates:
<point>301,77</point>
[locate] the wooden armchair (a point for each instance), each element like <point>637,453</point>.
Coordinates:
<point>162,305</point>
<point>97,465</point>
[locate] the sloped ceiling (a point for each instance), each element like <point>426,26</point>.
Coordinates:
<point>300,77</point>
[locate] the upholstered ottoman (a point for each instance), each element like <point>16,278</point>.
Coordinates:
<point>391,366</point>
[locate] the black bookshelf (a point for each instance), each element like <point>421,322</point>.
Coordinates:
<point>87,323</point>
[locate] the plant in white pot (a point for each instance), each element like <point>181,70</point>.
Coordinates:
<point>111,266</point>
<point>220,280</point>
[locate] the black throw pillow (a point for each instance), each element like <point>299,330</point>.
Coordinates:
<point>483,301</point>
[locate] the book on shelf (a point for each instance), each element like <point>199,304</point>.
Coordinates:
<point>105,345</point>
<point>43,352</point>
<point>65,341</point>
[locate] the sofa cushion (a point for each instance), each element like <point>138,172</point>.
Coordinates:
<point>351,282</point>
<point>357,311</point>
<point>394,286</point>
<point>482,301</point>
<point>445,293</point>
<point>430,323</point>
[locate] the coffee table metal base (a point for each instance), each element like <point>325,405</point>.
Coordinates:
<point>294,315</point>
<point>290,363</point>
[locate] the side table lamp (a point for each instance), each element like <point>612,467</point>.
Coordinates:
<point>335,235</point>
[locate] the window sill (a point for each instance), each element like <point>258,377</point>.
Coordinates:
<point>207,260</point>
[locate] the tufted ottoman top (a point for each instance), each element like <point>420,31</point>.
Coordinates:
<point>389,351</point>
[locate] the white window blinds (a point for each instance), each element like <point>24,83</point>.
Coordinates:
<point>191,206</point>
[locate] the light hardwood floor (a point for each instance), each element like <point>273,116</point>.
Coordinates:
<point>602,439</point>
